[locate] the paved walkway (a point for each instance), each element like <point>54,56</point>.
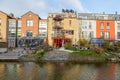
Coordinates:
<point>57,55</point>
<point>14,54</point>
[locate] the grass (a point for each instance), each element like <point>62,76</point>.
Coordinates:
<point>36,55</point>
<point>87,53</point>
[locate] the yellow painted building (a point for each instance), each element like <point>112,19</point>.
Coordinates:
<point>62,28</point>
<point>4,26</point>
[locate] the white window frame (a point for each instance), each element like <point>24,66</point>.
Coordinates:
<point>108,26</point>
<point>29,23</point>
<point>101,25</point>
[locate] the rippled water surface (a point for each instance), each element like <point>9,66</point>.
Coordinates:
<point>59,71</point>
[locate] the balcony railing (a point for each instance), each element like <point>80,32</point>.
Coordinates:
<point>58,35</point>
<point>57,25</point>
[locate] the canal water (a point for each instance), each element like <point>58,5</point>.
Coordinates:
<point>59,71</point>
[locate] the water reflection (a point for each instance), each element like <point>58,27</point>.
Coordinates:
<point>58,71</point>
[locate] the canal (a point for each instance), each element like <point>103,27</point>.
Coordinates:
<point>59,71</point>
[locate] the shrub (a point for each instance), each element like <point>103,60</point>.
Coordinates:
<point>68,45</point>
<point>109,49</point>
<point>82,42</point>
<point>98,50</point>
<point>117,43</point>
<point>40,55</point>
<point>106,44</point>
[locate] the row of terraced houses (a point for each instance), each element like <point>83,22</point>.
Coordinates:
<point>58,28</point>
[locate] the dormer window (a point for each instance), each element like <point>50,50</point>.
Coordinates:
<point>30,15</point>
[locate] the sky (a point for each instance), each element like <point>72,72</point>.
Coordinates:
<point>43,7</point>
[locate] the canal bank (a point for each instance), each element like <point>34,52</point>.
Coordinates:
<point>55,55</point>
<point>58,55</point>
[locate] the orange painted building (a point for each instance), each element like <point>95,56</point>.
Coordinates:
<point>105,29</point>
<point>30,24</point>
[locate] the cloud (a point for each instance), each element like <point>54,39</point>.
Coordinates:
<point>77,4</point>
<point>40,7</point>
<point>74,4</point>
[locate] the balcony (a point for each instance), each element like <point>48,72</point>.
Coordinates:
<point>57,25</point>
<point>58,18</point>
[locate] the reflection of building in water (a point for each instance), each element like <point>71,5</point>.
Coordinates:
<point>88,72</point>
<point>106,72</point>
<point>54,70</point>
<point>50,69</point>
<point>9,71</point>
<point>72,73</point>
<point>2,71</point>
<point>80,72</point>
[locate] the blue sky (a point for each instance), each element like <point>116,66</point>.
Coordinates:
<point>43,7</point>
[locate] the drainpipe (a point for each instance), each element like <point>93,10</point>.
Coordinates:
<point>16,38</point>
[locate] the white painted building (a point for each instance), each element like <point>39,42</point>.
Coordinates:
<point>43,28</point>
<point>88,26</point>
<point>117,27</point>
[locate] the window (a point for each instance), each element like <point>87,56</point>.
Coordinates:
<point>102,34</point>
<point>101,25</point>
<point>83,17</point>
<point>100,17</point>
<point>11,33</point>
<point>118,35</point>
<point>90,26</point>
<point>118,26</point>
<point>105,35</point>
<point>57,23</point>
<point>0,22</point>
<point>71,32</point>
<point>29,33</point>
<point>19,23</point>
<point>29,22</point>
<point>91,34</point>
<point>12,24</point>
<point>108,26</point>
<point>84,25</point>
<point>29,15</point>
<point>84,34</point>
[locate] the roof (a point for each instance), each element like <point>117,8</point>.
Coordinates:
<point>30,12</point>
<point>6,14</point>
